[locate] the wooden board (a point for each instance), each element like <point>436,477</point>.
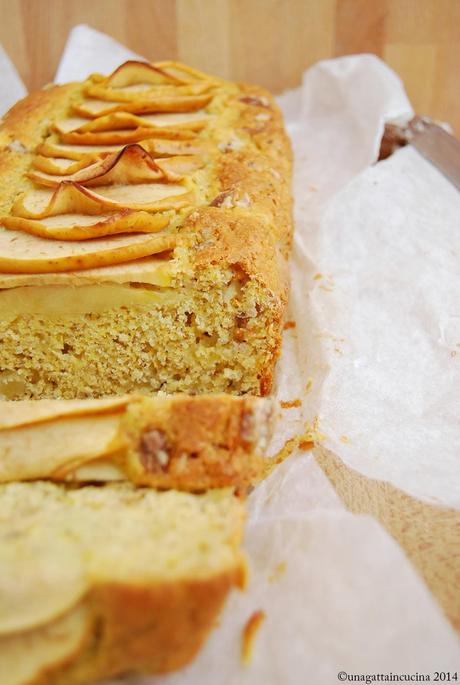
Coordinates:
<point>266,41</point>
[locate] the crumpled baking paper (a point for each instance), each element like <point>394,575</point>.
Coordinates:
<point>12,88</point>
<point>372,358</point>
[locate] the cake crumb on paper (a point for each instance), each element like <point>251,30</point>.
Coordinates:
<point>290,404</point>
<point>288,325</point>
<point>277,572</point>
<point>304,441</point>
<point>250,630</point>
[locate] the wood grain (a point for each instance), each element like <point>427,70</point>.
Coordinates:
<point>266,41</point>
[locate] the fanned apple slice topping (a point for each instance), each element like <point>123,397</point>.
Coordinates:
<point>72,198</point>
<point>87,227</point>
<point>152,197</point>
<point>113,173</point>
<point>131,165</point>
<point>144,91</point>
<point>60,166</point>
<point>183,72</point>
<point>154,270</point>
<point>69,124</point>
<point>68,198</point>
<point>157,147</point>
<point>75,153</point>
<point>24,253</point>
<point>134,72</point>
<point>180,166</point>
<point>133,78</point>
<point>162,103</point>
<point>126,136</point>
<point>125,120</point>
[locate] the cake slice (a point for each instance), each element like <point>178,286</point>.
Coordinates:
<point>101,581</point>
<point>145,226</point>
<point>176,441</point>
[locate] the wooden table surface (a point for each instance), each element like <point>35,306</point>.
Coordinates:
<point>266,41</point>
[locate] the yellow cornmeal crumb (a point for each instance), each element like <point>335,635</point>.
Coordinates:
<point>192,341</point>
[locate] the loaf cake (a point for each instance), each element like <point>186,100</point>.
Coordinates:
<point>145,230</point>
<point>99,581</point>
<point>188,443</point>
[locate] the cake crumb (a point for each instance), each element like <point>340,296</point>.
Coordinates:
<point>306,445</point>
<point>290,404</point>
<point>277,572</point>
<point>250,630</point>
<point>309,385</point>
<point>303,441</point>
<point>344,438</point>
<point>317,277</point>
<point>288,325</point>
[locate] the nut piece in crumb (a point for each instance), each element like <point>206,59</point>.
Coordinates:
<point>17,146</point>
<point>250,629</point>
<point>224,199</point>
<point>154,450</point>
<point>227,200</point>
<point>234,144</point>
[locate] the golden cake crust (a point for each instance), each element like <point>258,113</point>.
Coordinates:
<point>235,233</point>
<point>151,629</point>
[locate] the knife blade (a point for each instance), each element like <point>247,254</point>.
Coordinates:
<point>437,146</point>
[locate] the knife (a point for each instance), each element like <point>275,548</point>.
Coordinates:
<point>432,141</point>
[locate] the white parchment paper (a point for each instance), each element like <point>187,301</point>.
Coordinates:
<point>376,303</point>
<point>12,88</point>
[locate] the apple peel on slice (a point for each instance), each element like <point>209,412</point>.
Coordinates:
<point>24,253</point>
<point>134,72</point>
<point>163,103</point>
<point>132,164</point>
<point>87,227</point>
<point>73,198</point>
